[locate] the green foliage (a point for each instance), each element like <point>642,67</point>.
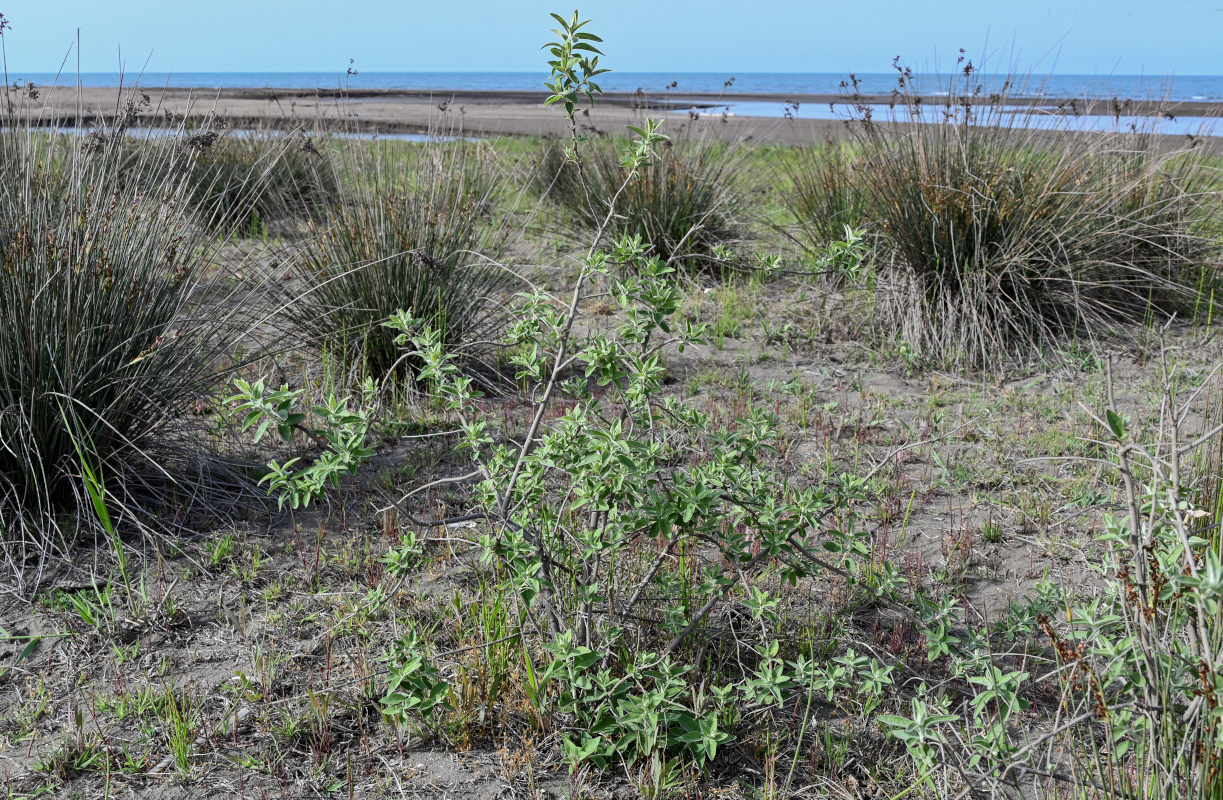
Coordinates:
<point>416,230</point>
<point>630,716</point>
<point>574,63</point>
<point>1143,658</point>
<point>918,731</point>
<point>609,520</point>
<point>402,559</point>
<point>617,468</point>
<point>1136,662</point>
<point>413,684</point>
<point>29,648</point>
<point>339,430</point>
<point>95,485</point>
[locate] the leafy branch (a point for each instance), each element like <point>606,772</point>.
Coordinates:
<point>338,430</point>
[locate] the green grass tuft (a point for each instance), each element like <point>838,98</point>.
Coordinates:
<point>103,343</point>
<point>415,230</point>
<point>684,203</point>
<point>997,239</point>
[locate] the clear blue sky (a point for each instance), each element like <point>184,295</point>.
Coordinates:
<point>1153,37</point>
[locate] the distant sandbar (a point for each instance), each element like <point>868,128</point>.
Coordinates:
<point>485,112</point>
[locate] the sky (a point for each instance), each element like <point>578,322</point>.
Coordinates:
<point>1095,37</point>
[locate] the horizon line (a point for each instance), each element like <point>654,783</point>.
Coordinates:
<point>357,74</point>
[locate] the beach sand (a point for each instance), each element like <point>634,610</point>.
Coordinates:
<point>470,112</point>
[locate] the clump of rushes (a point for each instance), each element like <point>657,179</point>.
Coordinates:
<point>241,181</point>
<point>825,194</point>
<point>261,176</point>
<point>103,343</point>
<point>684,203</point>
<point>1001,236</point>
<point>417,229</point>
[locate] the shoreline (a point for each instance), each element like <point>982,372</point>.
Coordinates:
<point>1103,106</point>
<point>505,113</point>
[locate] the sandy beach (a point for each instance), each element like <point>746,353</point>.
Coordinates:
<point>483,112</point>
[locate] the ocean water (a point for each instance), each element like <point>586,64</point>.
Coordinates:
<point>1174,88</point>
<point>1040,117</point>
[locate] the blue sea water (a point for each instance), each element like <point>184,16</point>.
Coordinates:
<point>1174,88</point>
<point>1041,117</point>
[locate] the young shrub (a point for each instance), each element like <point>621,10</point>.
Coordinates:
<point>1000,237</point>
<point>684,203</point>
<point>1148,669</point>
<point>631,528</point>
<point>643,543</point>
<point>415,229</point>
<point>104,341</point>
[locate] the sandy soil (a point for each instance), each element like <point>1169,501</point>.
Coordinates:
<point>256,637</point>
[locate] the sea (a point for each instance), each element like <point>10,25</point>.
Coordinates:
<point>1169,87</point>
<point>728,85</point>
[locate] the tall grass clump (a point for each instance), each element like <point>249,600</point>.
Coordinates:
<point>1003,230</point>
<point>239,181</point>
<point>825,193</point>
<point>104,345</point>
<point>684,204</point>
<point>416,228</point>
<point>246,180</point>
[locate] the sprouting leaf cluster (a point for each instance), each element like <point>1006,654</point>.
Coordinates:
<point>339,430</point>
<point>574,63</point>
